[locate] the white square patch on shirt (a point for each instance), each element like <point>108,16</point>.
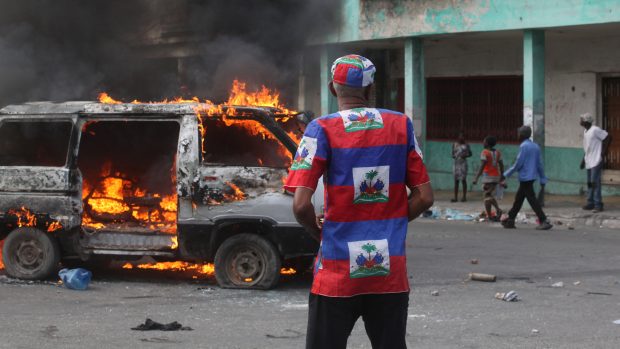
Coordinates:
<point>305,154</point>
<point>372,184</point>
<point>369,258</point>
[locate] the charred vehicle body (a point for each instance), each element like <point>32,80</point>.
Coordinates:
<point>185,181</point>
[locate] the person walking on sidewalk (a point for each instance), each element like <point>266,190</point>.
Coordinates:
<point>367,157</point>
<point>530,167</point>
<point>460,152</point>
<point>595,144</point>
<point>491,169</point>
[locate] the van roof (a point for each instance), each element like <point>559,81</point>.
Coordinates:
<point>89,107</point>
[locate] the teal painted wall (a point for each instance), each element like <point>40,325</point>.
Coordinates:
<point>381,19</point>
<point>561,167</point>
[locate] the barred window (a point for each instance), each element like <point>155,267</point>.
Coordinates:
<point>478,106</point>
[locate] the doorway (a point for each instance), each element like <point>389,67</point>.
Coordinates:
<point>611,120</point>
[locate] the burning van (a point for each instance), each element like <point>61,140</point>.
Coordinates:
<point>181,181</point>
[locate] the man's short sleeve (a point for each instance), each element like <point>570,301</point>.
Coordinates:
<point>483,155</point>
<point>310,159</point>
<point>601,134</point>
<point>416,171</point>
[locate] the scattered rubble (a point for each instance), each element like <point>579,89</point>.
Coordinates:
<point>510,296</point>
<point>150,325</point>
<point>482,277</point>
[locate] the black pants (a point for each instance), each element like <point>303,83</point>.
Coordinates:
<point>526,191</point>
<point>331,320</point>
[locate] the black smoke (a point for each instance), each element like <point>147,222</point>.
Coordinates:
<point>73,49</point>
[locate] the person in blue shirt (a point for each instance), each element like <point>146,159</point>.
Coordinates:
<point>530,167</point>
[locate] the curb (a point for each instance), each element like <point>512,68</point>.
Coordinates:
<point>570,221</point>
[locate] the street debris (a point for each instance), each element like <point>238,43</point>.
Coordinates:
<point>418,316</point>
<point>434,213</point>
<point>558,284</point>
<point>449,214</point>
<point>510,296</point>
<point>150,325</point>
<point>75,279</point>
<point>457,215</point>
<point>293,334</point>
<point>434,293</point>
<point>600,293</point>
<point>482,277</point>
<point>473,261</point>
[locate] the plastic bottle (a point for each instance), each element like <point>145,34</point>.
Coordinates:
<point>75,279</point>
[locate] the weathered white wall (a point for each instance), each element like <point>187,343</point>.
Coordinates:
<point>575,59</point>
<point>474,55</point>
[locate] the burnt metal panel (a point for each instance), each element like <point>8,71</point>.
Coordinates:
<point>127,241</point>
<point>35,179</point>
<point>62,208</point>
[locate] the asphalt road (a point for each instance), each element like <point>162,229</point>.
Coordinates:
<point>465,314</point>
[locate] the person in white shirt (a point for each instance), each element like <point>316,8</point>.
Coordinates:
<point>595,144</point>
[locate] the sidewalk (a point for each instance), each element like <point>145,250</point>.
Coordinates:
<point>562,210</point>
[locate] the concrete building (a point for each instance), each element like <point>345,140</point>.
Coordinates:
<point>486,67</point>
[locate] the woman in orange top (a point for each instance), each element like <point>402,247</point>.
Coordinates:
<point>491,169</point>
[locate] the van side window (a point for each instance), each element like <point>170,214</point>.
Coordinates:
<point>242,143</point>
<point>34,143</point>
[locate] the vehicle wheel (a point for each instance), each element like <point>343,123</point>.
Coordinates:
<point>247,261</point>
<point>30,254</point>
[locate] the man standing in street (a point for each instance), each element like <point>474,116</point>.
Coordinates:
<point>367,157</point>
<point>595,144</point>
<point>530,167</point>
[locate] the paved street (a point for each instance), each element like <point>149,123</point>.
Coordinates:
<point>465,314</point>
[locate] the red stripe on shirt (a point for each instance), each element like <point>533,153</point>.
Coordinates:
<point>342,209</point>
<point>334,280</point>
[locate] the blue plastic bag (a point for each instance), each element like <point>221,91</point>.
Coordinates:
<point>75,279</point>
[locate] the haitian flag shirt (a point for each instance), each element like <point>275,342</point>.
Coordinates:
<point>367,157</point>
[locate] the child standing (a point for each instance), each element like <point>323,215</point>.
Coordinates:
<point>491,169</point>
<point>460,153</point>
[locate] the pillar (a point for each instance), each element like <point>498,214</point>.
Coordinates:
<point>415,88</point>
<point>534,84</point>
<point>328,102</point>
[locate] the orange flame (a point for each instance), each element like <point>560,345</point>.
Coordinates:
<point>110,197</point>
<point>239,96</point>
<point>199,269</point>
<point>237,194</point>
<point>25,218</point>
<point>106,99</point>
<point>1,263</point>
<point>54,226</point>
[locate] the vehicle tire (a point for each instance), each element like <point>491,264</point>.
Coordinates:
<point>30,254</point>
<point>247,261</point>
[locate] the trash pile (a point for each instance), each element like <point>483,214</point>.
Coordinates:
<point>448,213</point>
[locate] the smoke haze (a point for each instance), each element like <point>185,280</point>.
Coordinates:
<point>71,49</point>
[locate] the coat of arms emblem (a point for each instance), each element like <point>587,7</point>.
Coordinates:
<point>361,119</point>
<point>305,154</point>
<point>371,184</point>
<point>369,258</point>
